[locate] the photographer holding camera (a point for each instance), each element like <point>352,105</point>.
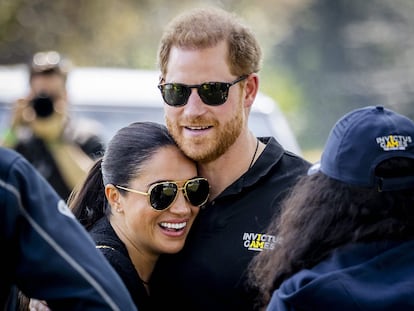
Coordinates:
<point>42,131</point>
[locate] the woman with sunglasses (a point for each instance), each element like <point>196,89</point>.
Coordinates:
<point>139,201</point>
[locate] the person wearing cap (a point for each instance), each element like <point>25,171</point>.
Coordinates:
<point>41,129</point>
<point>346,230</point>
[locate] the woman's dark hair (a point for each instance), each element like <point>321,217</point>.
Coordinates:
<point>321,214</point>
<point>126,153</point>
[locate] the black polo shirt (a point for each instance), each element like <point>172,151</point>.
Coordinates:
<point>209,273</point>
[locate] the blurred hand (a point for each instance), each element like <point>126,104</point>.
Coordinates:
<point>49,129</point>
<point>22,113</point>
<point>38,305</point>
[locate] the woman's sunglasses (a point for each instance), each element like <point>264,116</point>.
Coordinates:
<point>163,194</point>
<point>211,93</point>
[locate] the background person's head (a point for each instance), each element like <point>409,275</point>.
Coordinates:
<point>362,190</point>
<point>46,107</point>
<point>47,77</point>
<point>198,47</point>
<point>137,157</point>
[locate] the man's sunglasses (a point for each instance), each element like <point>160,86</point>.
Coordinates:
<point>163,194</point>
<point>211,93</point>
<point>49,62</point>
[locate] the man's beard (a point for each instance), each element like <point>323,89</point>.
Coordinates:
<point>208,149</point>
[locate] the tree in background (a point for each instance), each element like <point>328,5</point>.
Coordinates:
<point>346,54</point>
<point>322,57</point>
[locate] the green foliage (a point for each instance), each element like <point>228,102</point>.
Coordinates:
<point>322,57</point>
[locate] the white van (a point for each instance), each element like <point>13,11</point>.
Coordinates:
<point>115,97</point>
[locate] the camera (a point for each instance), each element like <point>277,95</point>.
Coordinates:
<point>43,105</point>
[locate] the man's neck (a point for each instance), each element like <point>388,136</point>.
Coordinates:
<point>226,169</point>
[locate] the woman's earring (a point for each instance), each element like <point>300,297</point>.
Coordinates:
<point>118,209</point>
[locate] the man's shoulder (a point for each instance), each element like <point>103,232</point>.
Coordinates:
<point>293,165</point>
<point>298,159</point>
<point>278,153</point>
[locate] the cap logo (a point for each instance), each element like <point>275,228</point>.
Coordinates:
<point>394,142</point>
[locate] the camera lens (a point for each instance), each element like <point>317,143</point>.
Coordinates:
<point>42,105</point>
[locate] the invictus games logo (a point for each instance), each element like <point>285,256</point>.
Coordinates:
<point>258,241</point>
<point>394,142</point>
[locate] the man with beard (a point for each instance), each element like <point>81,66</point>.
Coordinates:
<point>209,64</point>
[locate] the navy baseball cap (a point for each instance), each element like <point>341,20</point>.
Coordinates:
<point>362,139</point>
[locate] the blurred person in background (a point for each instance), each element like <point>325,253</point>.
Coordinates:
<point>346,231</point>
<point>209,61</point>
<point>47,252</point>
<point>60,148</point>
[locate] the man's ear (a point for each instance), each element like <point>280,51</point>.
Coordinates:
<point>250,89</point>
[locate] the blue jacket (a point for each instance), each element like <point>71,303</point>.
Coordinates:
<point>365,277</point>
<point>45,250</point>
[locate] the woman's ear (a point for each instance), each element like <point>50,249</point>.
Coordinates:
<point>114,198</point>
<point>112,194</point>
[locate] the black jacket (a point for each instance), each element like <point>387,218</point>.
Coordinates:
<point>115,251</point>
